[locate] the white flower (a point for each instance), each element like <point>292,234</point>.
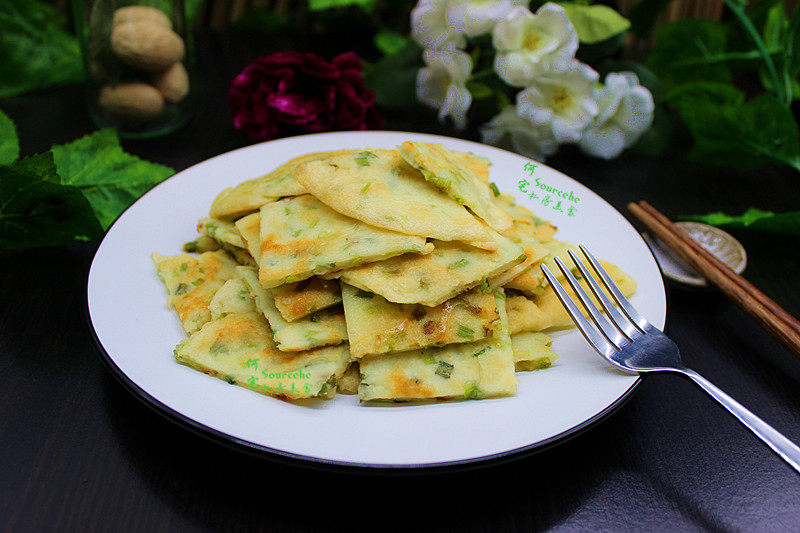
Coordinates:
<point>626,111</point>
<point>561,99</point>
<point>442,83</point>
<point>510,130</point>
<point>429,25</point>
<point>528,44</point>
<point>478,17</point>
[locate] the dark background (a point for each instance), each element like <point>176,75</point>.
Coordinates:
<point>78,451</point>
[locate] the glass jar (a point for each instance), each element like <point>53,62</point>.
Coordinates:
<point>138,64</point>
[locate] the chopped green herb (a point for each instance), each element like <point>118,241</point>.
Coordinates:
<point>484,285</point>
<point>362,159</point>
<point>444,370</point>
<point>363,294</point>
<point>428,359</point>
<point>181,289</point>
<point>472,392</point>
<point>230,379</point>
<point>480,352</point>
<point>494,188</point>
<point>314,223</point>
<point>576,272</point>
<point>500,294</point>
<point>183,267</point>
<point>217,348</point>
<point>197,282</point>
<point>190,246</point>
<point>366,186</point>
<point>465,332</point>
<point>460,263</point>
<point>296,233</point>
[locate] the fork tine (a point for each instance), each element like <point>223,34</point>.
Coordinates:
<point>602,322</point>
<point>623,324</point>
<point>589,330</point>
<point>634,315</point>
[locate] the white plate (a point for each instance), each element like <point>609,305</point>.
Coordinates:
<point>127,308</point>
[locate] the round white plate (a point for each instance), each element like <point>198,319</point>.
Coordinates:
<point>137,332</point>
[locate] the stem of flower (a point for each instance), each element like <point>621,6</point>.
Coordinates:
<point>738,9</point>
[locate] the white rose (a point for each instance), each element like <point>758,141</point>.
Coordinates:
<point>429,26</point>
<point>478,17</point>
<point>528,44</point>
<point>509,129</point>
<point>561,99</point>
<point>442,84</point>
<point>625,112</point>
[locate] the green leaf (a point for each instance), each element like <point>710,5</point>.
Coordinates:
<point>111,178</point>
<point>685,52</point>
<point>319,5</point>
<point>9,143</point>
<point>389,42</point>
<point>479,90</point>
<point>782,223</point>
<point>41,212</point>
<point>35,50</point>
<point>776,26</point>
<point>741,135</point>
<point>393,78</point>
<point>704,92</point>
<point>595,23</point>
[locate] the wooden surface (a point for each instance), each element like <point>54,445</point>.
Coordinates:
<point>79,452</point>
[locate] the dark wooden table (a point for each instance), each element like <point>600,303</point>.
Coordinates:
<point>78,451</point>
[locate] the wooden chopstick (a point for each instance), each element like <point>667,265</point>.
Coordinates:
<point>762,309</point>
<point>746,286</point>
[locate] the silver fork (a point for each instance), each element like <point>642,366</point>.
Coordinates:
<point>629,342</point>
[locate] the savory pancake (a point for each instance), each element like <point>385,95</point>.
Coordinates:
<point>237,348</point>
<point>350,380</point>
<point>201,244</point>
<point>545,310</point>
<point>375,325</point>
<point>301,237</point>
<point>430,279</point>
<point>220,230</point>
<point>474,370</point>
<point>443,168</point>
<point>533,249</point>
<point>542,229</point>
<point>249,228</point>
<point>299,299</point>
<point>532,351</point>
<point>232,297</point>
<point>192,282</point>
<point>377,187</point>
<point>323,328</point>
<point>252,194</point>
<point>532,281</point>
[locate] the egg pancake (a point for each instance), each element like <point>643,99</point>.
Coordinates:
<point>378,187</point>
<point>221,230</point>
<point>192,282</point>
<point>375,325</point>
<point>301,237</point>
<point>532,351</point>
<point>444,169</point>
<point>474,370</point>
<point>299,299</point>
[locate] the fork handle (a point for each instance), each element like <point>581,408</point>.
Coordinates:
<point>788,450</point>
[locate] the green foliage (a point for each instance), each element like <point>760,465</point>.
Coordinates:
<point>644,14</point>
<point>745,135</point>
<point>689,50</point>
<point>389,42</point>
<point>110,178</point>
<point>9,144</point>
<point>35,49</point>
<point>595,23</point>
<point>319,5</point>
<point>36,210</point>
<point>73,192</point>
<point>756,219</point>
<point>393,78</point>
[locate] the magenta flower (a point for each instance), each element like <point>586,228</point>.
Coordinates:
<point>292,92</point>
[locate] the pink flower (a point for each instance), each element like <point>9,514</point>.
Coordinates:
<point>291,92</point>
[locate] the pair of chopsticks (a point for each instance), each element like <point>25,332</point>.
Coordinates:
<point>755,303</point>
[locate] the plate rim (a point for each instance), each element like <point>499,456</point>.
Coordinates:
<point>265,452</point>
